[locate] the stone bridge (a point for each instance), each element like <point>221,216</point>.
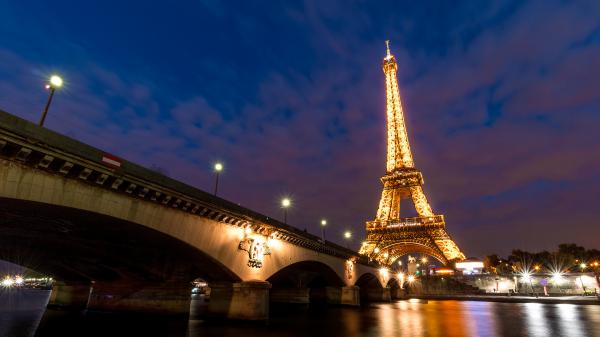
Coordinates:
<point>117,236</point>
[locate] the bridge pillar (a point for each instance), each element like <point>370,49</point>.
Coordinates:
<point>290,295</point>
<point>339,295</point>
<point>245,300</point>
<point>134,297</point>
<point>71,296</point>
<point>350,296</point>
<point>378,295</point>
<point>397,293</point>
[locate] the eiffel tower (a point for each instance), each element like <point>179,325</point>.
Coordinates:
<point>390,236</point>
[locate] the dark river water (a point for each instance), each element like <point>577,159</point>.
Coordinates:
<point>23,315</point>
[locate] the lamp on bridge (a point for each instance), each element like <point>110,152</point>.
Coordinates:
<point>218,169</point>
<point>348,237</point>
<point>54,83</point>
<point>323,224</point>
<point>285,204</point>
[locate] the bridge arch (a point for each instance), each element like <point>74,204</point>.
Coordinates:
<point>393,282</point>
<point>368,280</point>
<point>79,246</point>
<point>306,274</point>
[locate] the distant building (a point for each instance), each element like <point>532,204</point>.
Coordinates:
<point>470,266</point>
<point>442,271</point>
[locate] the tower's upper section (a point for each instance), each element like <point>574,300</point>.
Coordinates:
<point>398,148</point>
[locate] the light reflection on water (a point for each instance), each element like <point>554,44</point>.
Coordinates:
<point>570,320</point>
<point>536,324</point>
<point>403,318</point>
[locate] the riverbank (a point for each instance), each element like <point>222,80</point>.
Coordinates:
<point>586,300</point>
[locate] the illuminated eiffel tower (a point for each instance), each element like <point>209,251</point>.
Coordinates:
<point>390,236</point>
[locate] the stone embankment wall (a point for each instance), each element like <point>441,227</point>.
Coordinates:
<point>568,284</point>
<point>572,284</point>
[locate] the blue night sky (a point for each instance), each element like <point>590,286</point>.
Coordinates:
<point>502,103</point>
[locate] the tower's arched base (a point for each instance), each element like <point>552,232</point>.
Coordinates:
<point>386,244</point>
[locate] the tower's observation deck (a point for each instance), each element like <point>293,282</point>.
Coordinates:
<point>390,236</point>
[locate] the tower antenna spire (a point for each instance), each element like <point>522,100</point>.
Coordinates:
<point>387,46</point>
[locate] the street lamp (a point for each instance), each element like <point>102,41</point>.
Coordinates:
<point>323,224</point>
<point>218,168</point>
<point>348,237</point>
<point>54,83</point>
<point>285,204</point>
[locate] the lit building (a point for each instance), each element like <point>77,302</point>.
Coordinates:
<point>470,266</point>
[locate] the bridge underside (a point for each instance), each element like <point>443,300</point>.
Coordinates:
<point>77,246</point>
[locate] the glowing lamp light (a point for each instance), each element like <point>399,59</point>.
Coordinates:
<point>347,234</point>
<point>286,202</point>
<point>56,81</point>
<point>557,278</point>
<point>247,230</point>
<point>424,260</point>
<point>18,280</point>
<point>273,242</point>
<point>376,250</point>
<point>583,266</point>
<point>218,167</point>
<point>383,271</point>
<point>526,277</point>
<point>323,222</point>
<point>7,282</point>
<point>411,278</point>
<point>386,255</point>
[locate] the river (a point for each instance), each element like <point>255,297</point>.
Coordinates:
<point>23,315</point>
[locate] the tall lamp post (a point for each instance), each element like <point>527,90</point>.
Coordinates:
<point>582,266</point>
<point>218,169</point>
<point>54,83</point>
<point>285,204</point>
<point>348,237</point>
<point>323,224</point>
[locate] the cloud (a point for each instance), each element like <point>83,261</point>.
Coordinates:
<point>500,100</point>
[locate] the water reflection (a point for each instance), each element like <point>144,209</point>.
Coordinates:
<point>403,318</point>
<point>569,321</point>
<point>21,311</point>
<point>536,322</point>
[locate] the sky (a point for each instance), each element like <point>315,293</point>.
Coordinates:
<point>501,101</point>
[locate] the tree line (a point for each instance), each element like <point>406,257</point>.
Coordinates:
<point>569,257</point>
